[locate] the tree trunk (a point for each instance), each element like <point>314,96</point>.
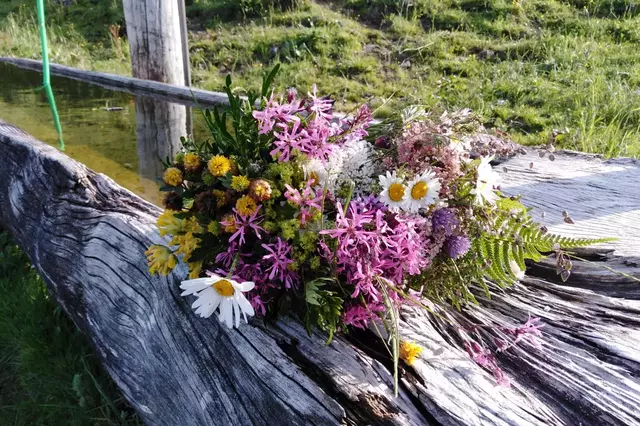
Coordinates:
<point>86,236</point>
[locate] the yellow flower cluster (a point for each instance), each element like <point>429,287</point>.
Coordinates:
<point>168,224</point>
<point>192,225</point>
<point>161,259</point>
<point>246,205</point>
<point>186,243</point>
<point>240,183</point>
<point>410,351</point>
<point>194,269</point>
<point>230,219</point>
<point>219,165</point>
<point>191,162</point>
<point>260,190</point>
<point>172,176</point>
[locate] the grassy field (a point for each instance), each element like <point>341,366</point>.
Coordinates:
<point>48,372</point>
<point>531,67</point>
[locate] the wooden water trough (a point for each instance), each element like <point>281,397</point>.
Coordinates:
<point>87,236</point>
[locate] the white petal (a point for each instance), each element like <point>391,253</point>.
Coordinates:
<point>226,313</point>
<point>207,304</point>
<point>245,306</point>
<point>247,286</point>
<point>236,311</point>
<point>203,308</point>
<point>194,286</point>
<point>203,298</point>
<point>212,307</point>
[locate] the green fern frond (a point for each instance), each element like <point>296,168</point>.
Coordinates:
<point>515,237</point>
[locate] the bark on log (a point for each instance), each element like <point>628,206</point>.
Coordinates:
<point>86,235</point>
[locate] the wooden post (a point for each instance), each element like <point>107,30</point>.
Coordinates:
<point>159,125</point>
<point>153,30</point>
<point>155,41</point>
<point>186,63</point>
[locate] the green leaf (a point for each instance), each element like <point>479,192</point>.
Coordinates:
<point>226,180</point>
<point>324,307</point>
<point>187,203</point>
<point>267,80</point>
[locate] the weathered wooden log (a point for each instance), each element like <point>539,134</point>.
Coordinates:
<point>86,235</point>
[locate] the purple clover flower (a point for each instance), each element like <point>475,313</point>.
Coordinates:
<point>445,220</point>
<point>457,246</point>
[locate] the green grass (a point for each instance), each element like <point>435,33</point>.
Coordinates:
<point>533,68</point>
<point>87,34</point>
<point>49,374</point>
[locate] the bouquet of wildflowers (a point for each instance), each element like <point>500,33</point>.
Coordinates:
<point>338,221</point>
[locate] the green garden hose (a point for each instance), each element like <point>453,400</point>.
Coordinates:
<point>46,80</point>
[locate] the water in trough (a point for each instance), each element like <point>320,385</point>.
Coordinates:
<point>101,127</point>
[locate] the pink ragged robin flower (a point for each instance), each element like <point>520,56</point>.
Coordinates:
<point>307,200</point>
<point>278,259</point>
<point>321,108</point>
<point>245,224</point>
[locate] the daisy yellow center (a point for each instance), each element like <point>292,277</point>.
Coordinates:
<point>419,190</point>
<point>224,288</point>
<point>396,192</point>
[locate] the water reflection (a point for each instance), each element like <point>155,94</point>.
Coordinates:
<point>110,132</point>
<point>159,127</point>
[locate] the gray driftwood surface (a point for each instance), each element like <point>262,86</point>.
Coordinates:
<point>86,235</point>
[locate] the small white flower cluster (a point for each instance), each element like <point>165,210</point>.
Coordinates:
<point>487,180</point>
<point>352,162</point>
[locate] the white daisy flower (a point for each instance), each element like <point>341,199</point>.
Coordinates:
<point>213,292</point>
<point>393,190</point>
<point>422,191</point>
<point>487,179</point>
